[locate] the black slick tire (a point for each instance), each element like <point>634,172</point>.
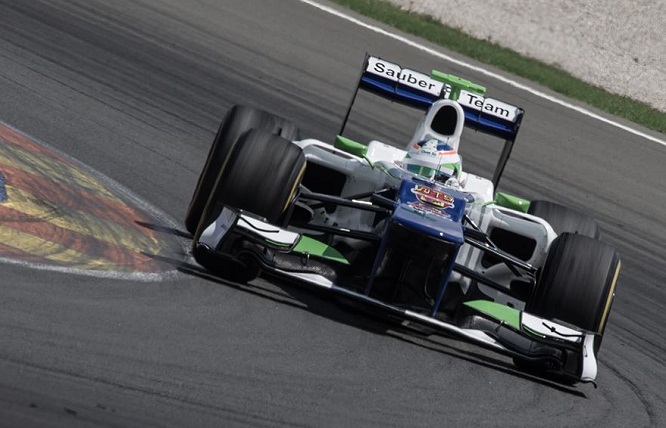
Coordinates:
<point>564,219</point>
<point>577,283</point>
<point>262,177</point>
<point>237,122</point>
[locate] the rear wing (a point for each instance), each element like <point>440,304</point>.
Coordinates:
<point>415,89</point>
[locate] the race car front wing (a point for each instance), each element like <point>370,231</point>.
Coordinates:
<point>556,348</point>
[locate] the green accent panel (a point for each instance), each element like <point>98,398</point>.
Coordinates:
<point>319,249</point>
<point>458,83</point>
<point>532,332</point>
<point>514,202</point>
<point>350,146</point>
<point>498,311</point>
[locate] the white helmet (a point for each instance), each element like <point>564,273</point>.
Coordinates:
<point>433,159</point>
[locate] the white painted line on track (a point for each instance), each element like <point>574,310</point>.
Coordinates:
<point>483,71</point>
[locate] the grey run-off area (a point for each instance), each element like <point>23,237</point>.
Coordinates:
<point>617,45</point>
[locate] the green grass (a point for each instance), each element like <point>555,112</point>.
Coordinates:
<point>489,53</point>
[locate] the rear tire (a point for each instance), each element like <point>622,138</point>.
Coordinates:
<point>237,122</point>
<point>262,177</point>
<point>577,283</point>
<point>564,219</point>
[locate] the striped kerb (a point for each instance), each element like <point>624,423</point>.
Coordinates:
<point>54,211</point>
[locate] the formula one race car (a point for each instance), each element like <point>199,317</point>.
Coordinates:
<point>408,233</point>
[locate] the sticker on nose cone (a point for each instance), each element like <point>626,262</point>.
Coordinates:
<point>58,214</point>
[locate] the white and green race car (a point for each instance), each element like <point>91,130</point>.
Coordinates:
<point>407,231</point>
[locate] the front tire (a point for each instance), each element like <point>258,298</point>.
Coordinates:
<point>236,123</point>
<point>262,177</point>
<point>577,283</point>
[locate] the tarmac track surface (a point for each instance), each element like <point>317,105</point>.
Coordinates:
<point>135,90</point>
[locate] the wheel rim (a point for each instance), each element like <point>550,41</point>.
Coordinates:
<point>609,301</point>
<point>299,177</point>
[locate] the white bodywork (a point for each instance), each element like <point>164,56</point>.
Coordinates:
<point>382,168</point>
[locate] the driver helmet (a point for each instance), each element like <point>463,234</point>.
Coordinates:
<point>433,159</point>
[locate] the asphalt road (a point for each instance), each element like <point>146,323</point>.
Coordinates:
<point>135,89</point>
